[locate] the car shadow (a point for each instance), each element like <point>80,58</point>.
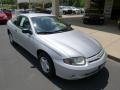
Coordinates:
<point>110,26</point>
<point>96,82</point>
<point>2,24</point>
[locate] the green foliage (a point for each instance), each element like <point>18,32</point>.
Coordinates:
<point>82,3</point>
<point>77,3</point>
<point>47,5</point>
<point>6,6</point>
<point>23,5</point>
<point>8,1</point>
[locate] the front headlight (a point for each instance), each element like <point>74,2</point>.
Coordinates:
<point>75,61</point>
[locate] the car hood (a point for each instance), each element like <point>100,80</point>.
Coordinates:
<point>72,43</point>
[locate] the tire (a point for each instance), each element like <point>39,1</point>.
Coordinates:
<point>11,38</point>
<point>101,22</point>
<point>46,64</point>
<point>84,21</point>
<point>64,13</point>
<point>74,12</point>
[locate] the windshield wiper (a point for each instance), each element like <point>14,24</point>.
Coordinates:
<point>63,30</point>
<point>67,29</point>
<point>44,32</point>
<point>57,31</point>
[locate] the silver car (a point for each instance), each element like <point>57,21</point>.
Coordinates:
<point>61,50</point>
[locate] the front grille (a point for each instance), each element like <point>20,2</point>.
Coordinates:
<point>95,54</point>
<point>96,57</point>
<point>93,60</point>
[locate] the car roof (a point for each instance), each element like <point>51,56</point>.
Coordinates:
<point>36,14</point>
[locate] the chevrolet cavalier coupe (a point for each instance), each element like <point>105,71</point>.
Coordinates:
<point>60,49</point>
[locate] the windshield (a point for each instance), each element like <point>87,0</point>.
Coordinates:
<point>48,25</point>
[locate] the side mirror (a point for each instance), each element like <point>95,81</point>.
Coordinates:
<point>69,25</point>
<point>25,30</point>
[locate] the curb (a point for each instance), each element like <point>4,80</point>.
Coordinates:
<point>114,58</point>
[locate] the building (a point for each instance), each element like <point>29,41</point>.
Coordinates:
<point>111,8</point>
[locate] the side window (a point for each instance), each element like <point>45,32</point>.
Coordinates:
<point>17,20</point>
<point>25,23</point>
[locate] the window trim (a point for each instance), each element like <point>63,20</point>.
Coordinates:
<point>18,26</point>
<point>24,20</point>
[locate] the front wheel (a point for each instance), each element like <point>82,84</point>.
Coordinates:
<point>46,64</point>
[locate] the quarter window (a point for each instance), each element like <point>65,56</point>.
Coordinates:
<point>25,23</point>
<point>17,20</point>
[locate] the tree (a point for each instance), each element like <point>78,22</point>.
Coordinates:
<point>77,3</point>
<point>8,1</point>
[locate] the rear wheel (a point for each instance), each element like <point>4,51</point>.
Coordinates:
<point>84,21</point>
<point>64,12</point>
<point>46,64</point>
<point>11,38</point>
<point>74,12</point>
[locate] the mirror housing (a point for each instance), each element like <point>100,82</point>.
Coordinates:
<point>68,24</point>
<point>25,30</point>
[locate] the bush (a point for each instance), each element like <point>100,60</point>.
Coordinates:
<point>23,5</point>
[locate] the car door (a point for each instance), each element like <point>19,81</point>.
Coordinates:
<point>26,39</point>
<point>14,27</point>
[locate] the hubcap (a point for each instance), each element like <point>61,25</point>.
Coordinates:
<point>44,64</point>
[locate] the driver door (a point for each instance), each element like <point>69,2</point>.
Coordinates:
<point>26,40</point>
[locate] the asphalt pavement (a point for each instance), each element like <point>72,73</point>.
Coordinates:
<point>19,70</point>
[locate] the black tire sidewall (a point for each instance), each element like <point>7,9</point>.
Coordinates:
<point>84,21</point>
<point>11,41</point>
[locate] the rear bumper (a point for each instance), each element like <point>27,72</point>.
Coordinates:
<point>77,72</point>
<point>3,20</point>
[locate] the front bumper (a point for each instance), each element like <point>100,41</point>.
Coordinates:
<point>70,72</point>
